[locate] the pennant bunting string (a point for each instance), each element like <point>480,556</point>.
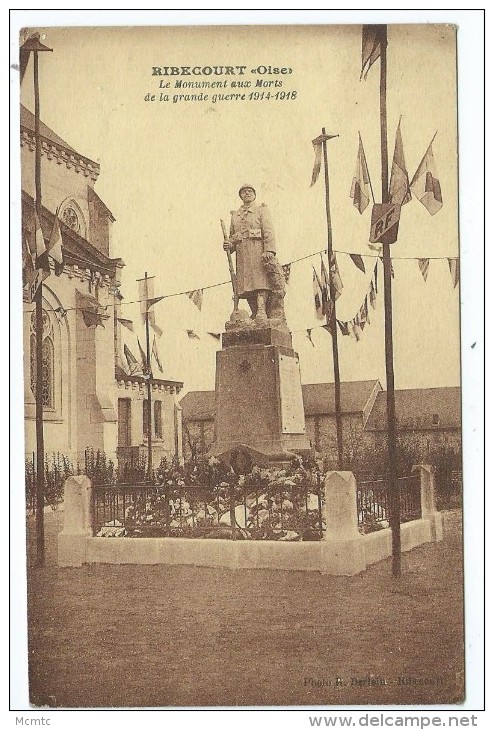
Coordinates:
<point>454,270</point>
<point>196,297</point>
<point>424,267</point>
<point>358,261</point>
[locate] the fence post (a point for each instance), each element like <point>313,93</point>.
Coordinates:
<point>428,500</point>
<point>77,527</point>
<point>341,506</point>
<point>343,551</point>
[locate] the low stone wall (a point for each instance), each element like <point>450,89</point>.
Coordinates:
<point>344,551</point>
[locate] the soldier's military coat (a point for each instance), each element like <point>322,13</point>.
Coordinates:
<point>251,235</point>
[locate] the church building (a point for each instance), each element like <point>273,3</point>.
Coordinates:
<point>90,398</point>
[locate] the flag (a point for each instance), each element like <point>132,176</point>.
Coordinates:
<point>55,247</point>
<point>152,323</point>
<point>361,318</point>
<point>364,314</point>
<point>286,272</point>
<point>325,291</point>
<point>317,144</point>
<point>92,310</point>
<point>375,278</point>
<point>371,47</point>
<point>93,318</point>
<point>372,295</point>
<point>127,323</point>
<point>28,269</point>
<point>196,297</point>
<point>317,288</point>
<point>355,330</point>
<point>399,187</point>
<point>343,327</point>
<point>156,356</point>
<point>192,335</point>
<point>454,270</point>
<point>390,267</point>
<point>132,363</point>
<point>358,261</point>
<point>144,359</point>
<point>147,299</point>
<point>359,191</point>
<point>424,267</point>
<point>335,277</point>
<point>309,336</point>
<point>41,252</point>
<point>425,184</point>
<point>154,300</point>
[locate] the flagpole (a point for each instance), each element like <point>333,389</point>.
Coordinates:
<point>149,413</point>
<point>40,444</point>
<point>332,320</point>
<point>393,485</point>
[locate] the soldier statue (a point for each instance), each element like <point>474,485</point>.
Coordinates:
<point>259,277</point>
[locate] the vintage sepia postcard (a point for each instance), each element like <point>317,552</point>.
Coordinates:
<point>242,399</point>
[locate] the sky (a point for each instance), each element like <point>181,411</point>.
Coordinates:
<point>170,172</point>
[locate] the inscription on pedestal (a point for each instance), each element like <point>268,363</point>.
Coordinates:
<point>291,403</point>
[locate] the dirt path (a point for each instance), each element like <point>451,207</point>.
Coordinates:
<point>157,636</point>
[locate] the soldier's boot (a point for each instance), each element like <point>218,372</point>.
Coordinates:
<point>252,302</point>
<point>261,316</point>
<point>275,309</point>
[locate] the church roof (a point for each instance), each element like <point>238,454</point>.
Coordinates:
<point>419,408</point>
<point>27,123</point>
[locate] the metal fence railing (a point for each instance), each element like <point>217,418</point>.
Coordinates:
<point>373,500</point>
<point>266,512</point>
<point>274,512</point>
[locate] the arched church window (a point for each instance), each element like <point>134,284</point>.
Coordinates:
<point>72,215</point>
<point>32,362</point>
<point>48,373</point>
<point>48,361</point>
<point>71,219</point>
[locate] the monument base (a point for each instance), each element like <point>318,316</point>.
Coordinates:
<point>260,416</point>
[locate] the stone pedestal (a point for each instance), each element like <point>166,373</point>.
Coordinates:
<point>259,409</point>
<point>77,525</point>
<point>343,546</point>
<point>428,501</point>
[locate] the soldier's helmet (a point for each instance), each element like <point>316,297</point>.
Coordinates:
<point>250,187</point>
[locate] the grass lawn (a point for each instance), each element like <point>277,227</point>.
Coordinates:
<point>159,636</point>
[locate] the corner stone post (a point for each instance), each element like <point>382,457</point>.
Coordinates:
<point>343,548</point>
<point>77,521</point>
<point>428,501</point>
